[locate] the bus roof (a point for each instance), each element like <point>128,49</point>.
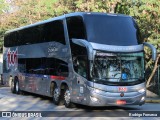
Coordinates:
<point>63,17</point>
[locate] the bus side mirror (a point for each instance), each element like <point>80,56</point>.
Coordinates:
<point>153,49</point>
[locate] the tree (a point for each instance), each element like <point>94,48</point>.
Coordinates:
<point>3,6</point>
<point>146,13</point>
<point>23,12</point>
<point>154,70</point>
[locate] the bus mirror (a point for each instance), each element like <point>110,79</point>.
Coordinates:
<point>86,44</point>
<point>153,49</point>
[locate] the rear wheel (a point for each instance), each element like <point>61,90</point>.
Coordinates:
<point>17,89</point>
<point>56,95</point>
<point>67,98</point>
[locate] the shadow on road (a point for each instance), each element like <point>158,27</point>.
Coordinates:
<point>87,108</point>
<point>33,102</point>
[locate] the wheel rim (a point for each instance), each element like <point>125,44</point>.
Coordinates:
<point>17,87</point>
<point>56,94</point>
<point>67,96</point>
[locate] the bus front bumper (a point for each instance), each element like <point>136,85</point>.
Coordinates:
<point>102,100</point>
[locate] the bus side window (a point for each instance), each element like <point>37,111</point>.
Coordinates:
<point>79,56</point>
<point>63,71</point>
<point>81,67</point>
<point>54,31</point>
<point>25,36</point>
<point>76,27</point>
<point>50,71</point>
<point>31,71</point>
<point>22,65</point>
<point>10,39</point>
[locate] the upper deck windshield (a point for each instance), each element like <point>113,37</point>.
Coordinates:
<point>112,30</point>
<point>112,68</point>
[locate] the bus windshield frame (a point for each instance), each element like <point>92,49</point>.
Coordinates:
<point>118,68</point>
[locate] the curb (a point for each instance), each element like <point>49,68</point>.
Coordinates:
<point>153,101</point>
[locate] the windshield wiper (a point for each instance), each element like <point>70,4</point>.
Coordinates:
<point>97,80</point>
<point>109,78</point>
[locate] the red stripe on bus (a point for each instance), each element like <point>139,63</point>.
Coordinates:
<point>57,77</point>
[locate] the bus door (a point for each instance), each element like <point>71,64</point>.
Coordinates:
<point>78,84</point>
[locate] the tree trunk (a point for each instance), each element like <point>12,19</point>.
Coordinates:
<point>153,72</point>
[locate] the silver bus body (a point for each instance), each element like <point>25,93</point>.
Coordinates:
<point>114,71</point>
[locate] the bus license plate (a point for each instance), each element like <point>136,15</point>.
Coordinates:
<point>121,102</point>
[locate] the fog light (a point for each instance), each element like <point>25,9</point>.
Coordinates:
<point>94,99</point>
<point>141,90</point>
<point>142,99</point>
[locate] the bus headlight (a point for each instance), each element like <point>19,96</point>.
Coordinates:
<point>141,90</point>
<point>94,90</point>
<point>94,99</point>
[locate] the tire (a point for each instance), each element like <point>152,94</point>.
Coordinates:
<point>67,98</point>
<point>13,89</point>
<point>17,89</point>
<point>56,95</point>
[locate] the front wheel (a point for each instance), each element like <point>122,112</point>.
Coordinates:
<point>67,98</point>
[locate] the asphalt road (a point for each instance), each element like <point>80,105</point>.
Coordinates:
<point>36,103</point>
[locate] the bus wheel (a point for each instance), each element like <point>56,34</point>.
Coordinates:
<point>17,89</point>
<point>67,98</point>
<point>13,89</point>
<point>56,96</point>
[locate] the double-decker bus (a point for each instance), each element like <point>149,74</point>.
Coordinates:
<point>94,59</point>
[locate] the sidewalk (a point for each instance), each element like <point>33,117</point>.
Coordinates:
<point>152,100</point>
<point>3,85</point>
<point>152,97</point>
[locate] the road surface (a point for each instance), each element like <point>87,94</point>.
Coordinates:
<point>36,103</point>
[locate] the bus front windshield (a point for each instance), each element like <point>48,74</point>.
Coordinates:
<point>118,68</point>
<point>112,30</point>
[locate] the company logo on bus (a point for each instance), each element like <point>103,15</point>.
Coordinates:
<point>11,58</point>
<point>52,49</point>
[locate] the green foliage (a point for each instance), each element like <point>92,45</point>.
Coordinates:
<point>2,31</point>
<point>146,13</point>
<point>3,6</point>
